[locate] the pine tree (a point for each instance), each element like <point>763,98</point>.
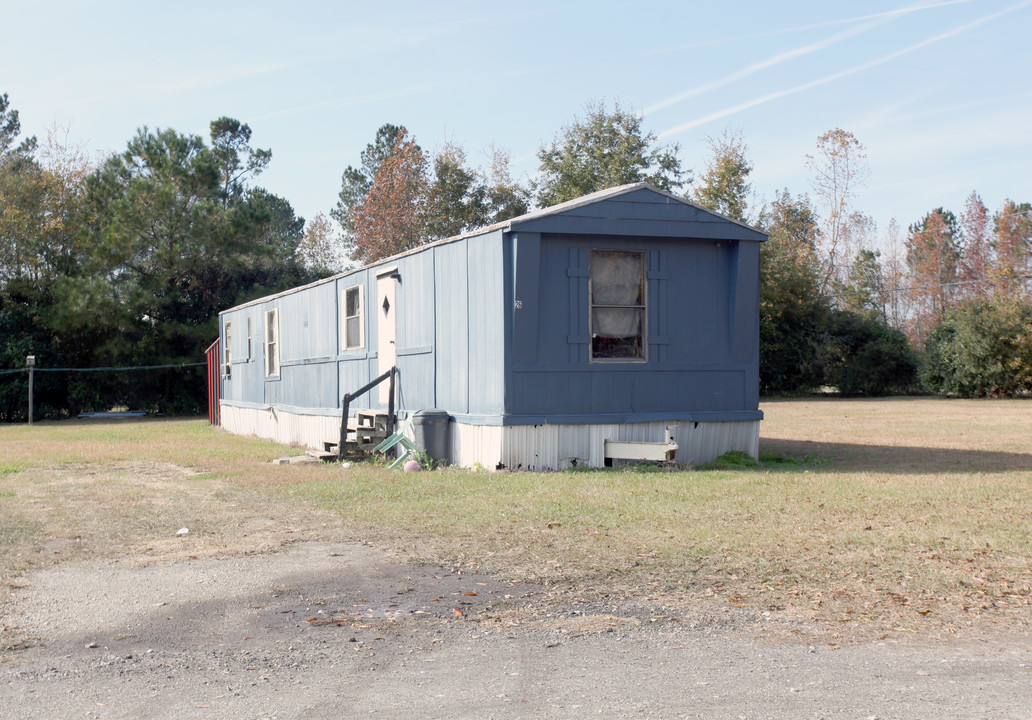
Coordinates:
<point>723,186</point>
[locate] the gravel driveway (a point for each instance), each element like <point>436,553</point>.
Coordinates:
<point>341,631</point>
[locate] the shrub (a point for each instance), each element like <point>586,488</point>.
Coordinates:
<point>863,356</point>
<point>981,349</point>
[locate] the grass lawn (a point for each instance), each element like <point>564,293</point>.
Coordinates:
<point>870,516</point>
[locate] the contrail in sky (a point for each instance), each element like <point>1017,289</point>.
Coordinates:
<point>836,76</point>
<point>876,20</point>
<point>799,28</point>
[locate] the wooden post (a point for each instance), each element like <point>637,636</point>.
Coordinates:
<point>30,361</point>
<point>390,404</point>
<point>345,402</point>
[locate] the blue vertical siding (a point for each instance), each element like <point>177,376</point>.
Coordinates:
<point>308,342</point>
<point>486,325</point>
<point>415,317</point>
<point>357,366</point>
<point>699,288</point>
<point>701,330</point>
<point>574,281</point>
<point>526,308</point>
<point>449,329</point>
<point>247,378</point>
<point>497,325</point>
<point>451,269</point>
<point>658,279</point>
<point>308,324</point>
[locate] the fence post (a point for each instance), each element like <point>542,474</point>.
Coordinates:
<point>30,362</point>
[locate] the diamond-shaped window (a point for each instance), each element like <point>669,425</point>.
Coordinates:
<point>386,307</point>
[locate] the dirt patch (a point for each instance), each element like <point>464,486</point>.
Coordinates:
<point>119,604</point>
<point>134,511</point>
<point>320,631</point>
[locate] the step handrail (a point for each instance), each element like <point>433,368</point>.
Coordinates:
<point>345,403</point>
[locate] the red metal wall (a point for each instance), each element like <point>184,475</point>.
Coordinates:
<point>214,382</point>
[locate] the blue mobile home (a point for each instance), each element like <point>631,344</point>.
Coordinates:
<point>611,317</point>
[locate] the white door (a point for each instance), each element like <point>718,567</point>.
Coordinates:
<point>386,330</point>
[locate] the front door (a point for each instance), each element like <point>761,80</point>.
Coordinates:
<point>386,330</point>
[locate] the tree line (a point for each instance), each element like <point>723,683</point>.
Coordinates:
<point>946,308</point>
<point>128,260</point>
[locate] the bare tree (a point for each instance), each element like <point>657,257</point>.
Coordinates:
<point>976,249</point>
<point>320,249</point>
<point>1013,267</point>
<point>895,278</point>
<point>840,169</point>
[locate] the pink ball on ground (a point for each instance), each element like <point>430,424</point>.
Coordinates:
<point>413,466</point>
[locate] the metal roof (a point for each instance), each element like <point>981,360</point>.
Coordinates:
<point>509,224</point>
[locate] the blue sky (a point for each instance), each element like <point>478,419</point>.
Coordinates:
<point>938,91</point>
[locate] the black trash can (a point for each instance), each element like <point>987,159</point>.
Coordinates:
<point>430,428</point>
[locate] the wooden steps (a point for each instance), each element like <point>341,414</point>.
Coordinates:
<point>365,431</point>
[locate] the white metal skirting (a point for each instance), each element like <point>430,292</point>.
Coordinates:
<point>515,447</point>
<point>289,428</point>
<point>558,447</point>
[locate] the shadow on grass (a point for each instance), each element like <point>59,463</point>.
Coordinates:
<point>96,421</point>
<point>91,422</point>
<point>899,460</point>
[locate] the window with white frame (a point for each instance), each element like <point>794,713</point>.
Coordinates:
<point>272,364</point>
<point>250,352</point>
<point>617,290</point>
<point>354,328</point>
<point>227,352</point>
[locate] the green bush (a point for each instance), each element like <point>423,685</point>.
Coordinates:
<point>862,356</point>
<point>732,460</point>
<point>982,349</point>
<point>790,336</point>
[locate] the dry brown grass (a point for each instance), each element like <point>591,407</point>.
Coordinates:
<point>122,489</point>
<point>903,435</point>
<point>891,516</point>
<point>929,524</point>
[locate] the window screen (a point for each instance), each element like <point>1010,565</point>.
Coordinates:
<point>227,367</point>
<point>617,305</point>
<point>353,318</point>
<point>272,343</point>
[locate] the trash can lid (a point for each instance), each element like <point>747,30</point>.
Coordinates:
<point>432,412</point>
